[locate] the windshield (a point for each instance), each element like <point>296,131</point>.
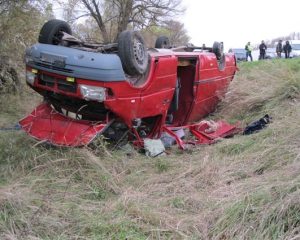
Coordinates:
<point>238,50</point>
<point>296,46</point>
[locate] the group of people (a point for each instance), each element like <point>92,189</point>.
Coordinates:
<point>287,48</point>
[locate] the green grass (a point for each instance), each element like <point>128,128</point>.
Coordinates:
<point>244,187</point>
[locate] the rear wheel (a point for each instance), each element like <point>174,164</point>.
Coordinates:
<point>222,62</point>
<point>51,32</point>
<point>162,41</point>
<point>132,52</point>
<point>218,49</point>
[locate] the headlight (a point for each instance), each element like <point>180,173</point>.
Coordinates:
<point>92,93</point>
<point>30,76</point>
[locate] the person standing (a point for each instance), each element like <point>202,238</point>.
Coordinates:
<point>248,49</point>
<point>262,50</point>
<point>279,49</point>
<point>287,48</point>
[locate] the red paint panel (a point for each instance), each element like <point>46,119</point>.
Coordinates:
<point>224,130</point>
<point>45,124</point>
<point>164,76</point>
<point>149,105</point>
<point>211,86</point>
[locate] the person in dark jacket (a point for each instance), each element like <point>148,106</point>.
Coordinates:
<point>287,48</point>
<point>262,50</point>
<point>279,49</point>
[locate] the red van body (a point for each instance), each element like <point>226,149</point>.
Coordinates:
<point>87,93</point>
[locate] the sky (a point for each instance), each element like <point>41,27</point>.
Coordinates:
<point>236,22</point>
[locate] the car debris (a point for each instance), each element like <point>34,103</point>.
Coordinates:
<point>15,127</point>
<point>154,147</point>
<point>258,125</point>
<point>124,89</point>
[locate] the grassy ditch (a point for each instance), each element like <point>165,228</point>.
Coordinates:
<point>245,187</point>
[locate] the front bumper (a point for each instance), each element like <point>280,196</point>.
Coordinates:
<point>47,125</point>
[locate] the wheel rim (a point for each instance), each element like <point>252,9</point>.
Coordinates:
<point>139,51</point>
<point>219,50</point>
<point>57,37</point>
<point>221,47</point>
<point>165,44</point>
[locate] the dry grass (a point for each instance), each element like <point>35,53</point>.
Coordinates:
<point>245,187</point>
<point>16,105</point>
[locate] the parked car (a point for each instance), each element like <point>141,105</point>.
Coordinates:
<point>122,89</point>
<point>271,53</point>
<point>240,53</point>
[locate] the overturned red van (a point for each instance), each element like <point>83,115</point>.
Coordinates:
<point>123,89</point>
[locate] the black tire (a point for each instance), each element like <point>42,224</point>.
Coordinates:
<point>162,41</point>
<point>218,49</point>
<point>132,52</point>
<point>51,32</point>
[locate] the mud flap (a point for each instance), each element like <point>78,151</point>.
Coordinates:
<point>46,124</point>
<point>198,130</point>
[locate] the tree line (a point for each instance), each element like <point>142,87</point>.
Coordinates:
<point>100,20</point>
<point>105,20</point>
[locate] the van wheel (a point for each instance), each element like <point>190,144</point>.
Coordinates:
<point>132,52</point>
<point>218,49</point>
<point>51,32</point>
<point>162,41</point>
<point>222,62</point>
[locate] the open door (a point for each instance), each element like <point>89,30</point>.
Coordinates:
<point>186,76</point>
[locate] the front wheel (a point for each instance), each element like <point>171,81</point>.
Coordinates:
<point>52,32</point>
<point>132,52</point>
